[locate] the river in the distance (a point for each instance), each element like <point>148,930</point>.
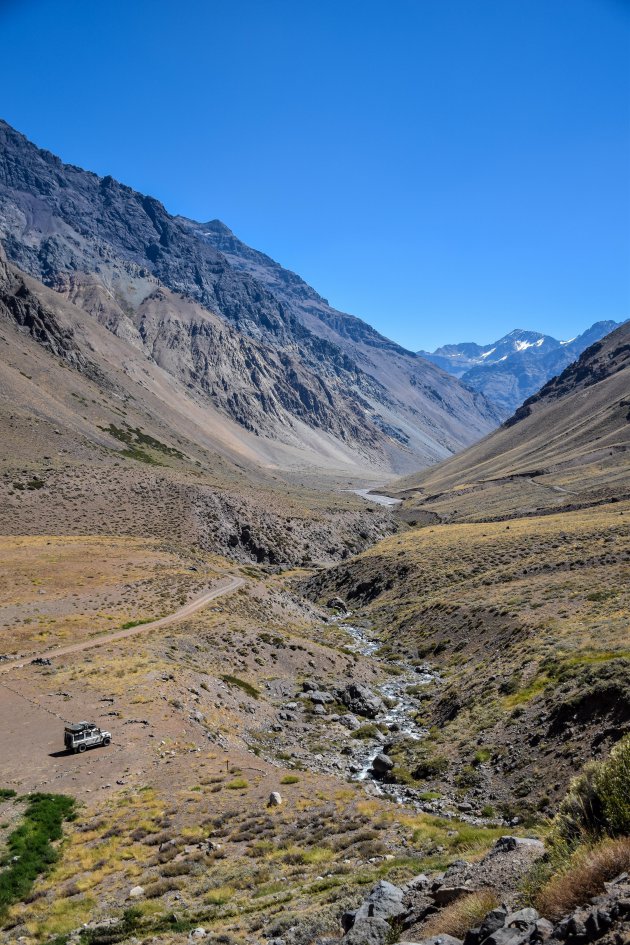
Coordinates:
<point>375,497</point>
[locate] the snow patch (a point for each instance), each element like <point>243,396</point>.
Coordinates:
<point>486,354</point>
<point>523,345</point>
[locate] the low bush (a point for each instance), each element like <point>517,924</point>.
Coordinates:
<point>598,801</point>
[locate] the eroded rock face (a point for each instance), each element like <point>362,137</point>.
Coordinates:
<point>261,344</point>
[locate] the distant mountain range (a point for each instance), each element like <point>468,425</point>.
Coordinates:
<point>510,370</point>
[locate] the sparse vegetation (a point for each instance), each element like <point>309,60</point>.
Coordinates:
<point>242,684</point>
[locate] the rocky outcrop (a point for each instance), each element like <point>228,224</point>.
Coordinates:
<point>392,912</point>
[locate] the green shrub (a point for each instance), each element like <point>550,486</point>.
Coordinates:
<point>598,801</point>
<point>6,794</point>
<point>30,848</point>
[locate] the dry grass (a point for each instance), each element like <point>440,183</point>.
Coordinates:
<point>583,877</point>
<point>461,915</point>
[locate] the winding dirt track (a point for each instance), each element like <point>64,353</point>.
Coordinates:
<point>226,586</point>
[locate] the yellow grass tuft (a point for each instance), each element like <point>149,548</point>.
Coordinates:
<point>461,915</point>
<point>583,877</point>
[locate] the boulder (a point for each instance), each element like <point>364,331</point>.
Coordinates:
<point>418,882</point>
<point>349,721</point>
<point>509,937</point>
<point>494,920</point>
<point>369,931</point>
<point>136,892</point>
<point>197,933</point>
<point>336,603</point>
<point>522,919</point>
<point>361,700</point>
<point>275,799</point>
<point>543,930</point>
<point>385,901</point>
<point>319,697</point>
<point>382,764</point>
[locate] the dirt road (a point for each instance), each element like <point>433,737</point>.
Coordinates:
<point>225,586</point>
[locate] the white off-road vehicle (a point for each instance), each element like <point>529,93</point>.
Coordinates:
<point>85,735</point>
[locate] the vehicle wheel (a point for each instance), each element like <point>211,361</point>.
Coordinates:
<point>106,741</point>
<point>82,748</point>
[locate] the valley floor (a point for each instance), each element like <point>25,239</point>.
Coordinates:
<point>502,645</point>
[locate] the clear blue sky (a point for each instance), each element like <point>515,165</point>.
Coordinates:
<point>446,169</point>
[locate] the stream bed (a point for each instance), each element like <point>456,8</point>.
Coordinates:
<point>399,719</point>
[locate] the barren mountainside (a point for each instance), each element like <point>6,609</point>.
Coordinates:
<point>250,338</point>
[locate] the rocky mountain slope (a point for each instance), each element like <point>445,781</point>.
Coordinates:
<point>100,439</point>
<point>250,339</point>
<point>510,370</point>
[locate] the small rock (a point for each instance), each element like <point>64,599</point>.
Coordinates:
<point>543,930</point>
<point>506,844</point>
<point>418,882</point>
<point>522,919</point>
<point>136,892</point>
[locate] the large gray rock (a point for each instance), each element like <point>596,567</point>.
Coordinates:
<point>509,936</point>
<point>494,920</point>
<point>368,931</point>
<point>384,902</point>
<point>361,700</point>
<point>319,697</point>
<point>417,883</point>
<point>382,764</point>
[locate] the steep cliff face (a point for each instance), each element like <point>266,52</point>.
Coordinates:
<point>182,291</point>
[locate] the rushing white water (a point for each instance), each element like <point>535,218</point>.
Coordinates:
<point>400,717</point>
